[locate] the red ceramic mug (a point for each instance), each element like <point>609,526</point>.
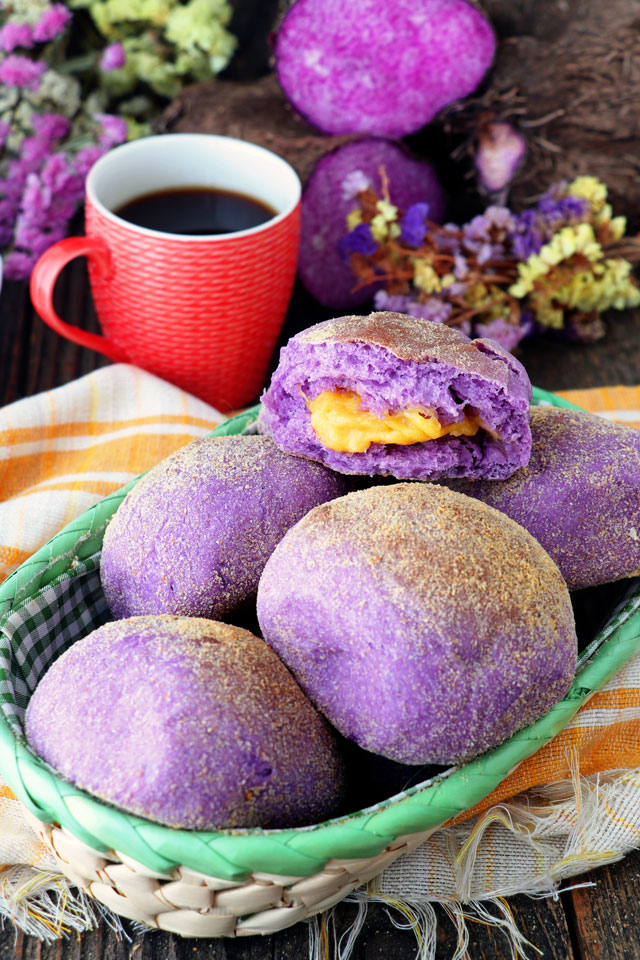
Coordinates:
<point>201,311</point>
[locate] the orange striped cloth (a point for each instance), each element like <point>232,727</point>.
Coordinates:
<point>63,450</point>
<point>575,804</point>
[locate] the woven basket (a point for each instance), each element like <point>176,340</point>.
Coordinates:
<point>239,882</point>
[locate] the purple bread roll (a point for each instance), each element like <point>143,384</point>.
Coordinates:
<point>188,722</point>
<point>471,392</point>
<point>579,495</point>
<point>425,625</point>
<point>194,534</point>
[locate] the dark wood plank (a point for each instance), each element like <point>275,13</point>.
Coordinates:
<point>542,922</point>
<point>15,324</point>
<point>558,365</point>
<point>606,917</point>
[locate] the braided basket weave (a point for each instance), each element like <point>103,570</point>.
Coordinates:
<point>235,882</point>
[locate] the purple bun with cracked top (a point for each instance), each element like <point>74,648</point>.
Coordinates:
<point>579,495</point>
<point>426,626</point>
<point>192,727</point>
<point>193,535</point>
<point>392,394</point>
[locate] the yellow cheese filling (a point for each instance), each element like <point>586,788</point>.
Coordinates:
<point>342,425</point>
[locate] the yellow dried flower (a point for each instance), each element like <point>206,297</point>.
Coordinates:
<point>604,215</point>
<point>425,277</point>
<point>563,245</point>
<point>354,219</point>
<point>387,210</point>
<point>548,315</point>
<point>591,189</point>
<point>528,272</point>
<point>476,294</point>
<point>608,285</point>
<point>618,227</point>
<point>379,228</point>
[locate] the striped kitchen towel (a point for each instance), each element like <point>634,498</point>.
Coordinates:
<point>63,450</point>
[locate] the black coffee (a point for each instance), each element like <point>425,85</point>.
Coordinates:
<point>197,211</point>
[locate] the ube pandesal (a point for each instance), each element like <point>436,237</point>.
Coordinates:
<point>391,394</point>
<point>579,495</point>
<point>426,626</point>
<point>191,538</point>
<point>186,721</point>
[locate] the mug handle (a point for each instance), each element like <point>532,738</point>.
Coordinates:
<point>43,280</point>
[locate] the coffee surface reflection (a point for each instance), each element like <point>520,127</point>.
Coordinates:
<point>196,211</point>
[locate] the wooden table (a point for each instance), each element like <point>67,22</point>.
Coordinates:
<point>601,922</point>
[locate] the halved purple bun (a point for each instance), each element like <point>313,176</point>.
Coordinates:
<point>425,625</point>
<point>380,66</point>
<point>194,534</point>
<point>325,207</point>
<point>579,495</point>
<point>188,722</point>
<point>395,363</point>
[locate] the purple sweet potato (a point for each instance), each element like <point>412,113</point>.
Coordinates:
<point>330,195</point>
<point>383,67</point>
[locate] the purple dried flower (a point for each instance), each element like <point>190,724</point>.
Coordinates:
<point>568,209</point>
<point>18,265</point>
<point>114,129</point>
<point>18,71</point>
<point>50,127</point>
<point>500,217</point>
<point>482,234</point>
<point>508,335</point>
<point>529,235</point>
<point>85,159</point>
<point>460,266</point>
<point>113,57</point>
<point>435,310</point>
<point>555,209</point>
<point>354,183</point>
<point>485,253</point>
<point>52,22</point>
<point>445,240</point>
<point>457,289</point>
<point>413,228</point>
<point>359,240</point>
<point>64,184</point>
<point>14,35</point>
<point>34,151</point>
<point>395,302</point>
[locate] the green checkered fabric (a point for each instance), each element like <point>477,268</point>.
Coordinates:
<point>34,636</point>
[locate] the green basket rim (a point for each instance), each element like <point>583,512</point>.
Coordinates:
<point>300,851</point>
